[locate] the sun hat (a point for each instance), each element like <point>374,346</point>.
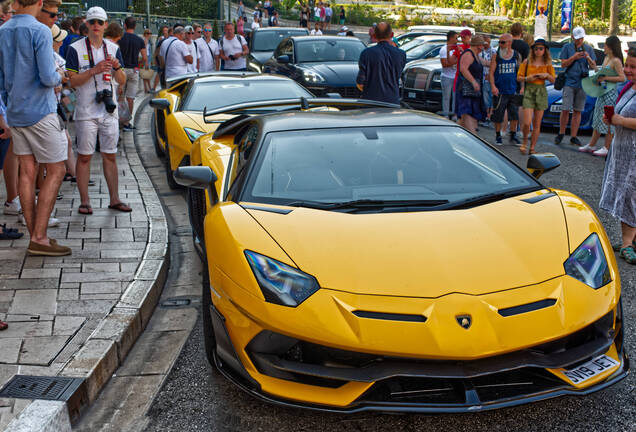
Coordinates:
<point>578,33</point>
<point>538,41</point>
<point>96,13</point>
<point>58,34</point>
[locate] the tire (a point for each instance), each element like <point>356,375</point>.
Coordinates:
<point>155,140</point>
<point>209,339</point>
<point>172,184</point>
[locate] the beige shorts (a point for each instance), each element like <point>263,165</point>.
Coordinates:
<point>132,83</point>
<point>107,128</point>
<point>45,140</point>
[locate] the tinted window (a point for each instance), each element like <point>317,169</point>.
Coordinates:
<point>322,50</point>
<point>219,94</point>
<point>269,40</point>
<point>422,51</point>
<point>385,163</point>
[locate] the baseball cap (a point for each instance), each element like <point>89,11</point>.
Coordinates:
<point>189,28</point>
<point>465,32</point>
<point>578,33</point>
<point>58,34</point>
<point>96,13</point>
<point>344,28</point>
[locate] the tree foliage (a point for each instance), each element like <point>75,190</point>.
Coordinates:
<point>179,8</point>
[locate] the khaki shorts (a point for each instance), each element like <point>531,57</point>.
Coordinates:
<point>107,128</point>
<point>45,140</point>
<point>535,96</point>
<point>132,83</point>
<point>573,99</point>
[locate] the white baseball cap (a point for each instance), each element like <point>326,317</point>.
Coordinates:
<point>578,33</point>
<point>96,13</point>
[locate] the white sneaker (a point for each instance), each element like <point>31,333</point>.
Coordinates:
<point>53,222</point>
<point>602,152</point>
<point>587,149</point>
<point>13,207</point>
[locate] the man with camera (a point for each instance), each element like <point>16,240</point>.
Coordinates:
<point>577,58</point>
<point>234,50</point>
<point>95,69</point>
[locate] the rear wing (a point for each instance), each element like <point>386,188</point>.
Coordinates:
<point>302,103</point>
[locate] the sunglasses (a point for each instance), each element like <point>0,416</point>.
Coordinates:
<point>51,14</point>
<point>189,32</point>
<point>502,42</point>
<point>207,30</point>
<point>96,21</point>
<point>538,47</point>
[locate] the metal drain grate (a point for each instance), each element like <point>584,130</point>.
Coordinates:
<point>41,387</point>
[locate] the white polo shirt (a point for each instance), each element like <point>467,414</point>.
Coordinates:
<point>207,51</point>
<point>231,47</point>
<point>77,60</point>
<point>175,62</point>
<point>194,52</point>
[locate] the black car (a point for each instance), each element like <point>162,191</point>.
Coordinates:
<point>263,42</point>
<point>323,64</point>
<point>422,85</point>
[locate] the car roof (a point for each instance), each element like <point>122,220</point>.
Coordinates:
<point>368,117</point>
<point>309,37</point>
<point>264,29</point>
<point>432,38</point>
<point>249,76</point>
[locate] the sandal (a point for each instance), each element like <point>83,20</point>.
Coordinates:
<point>523,149</point>
<point>120,206</point>
<point>532,151</point>
<point>85,209</point>
<point>3,325</point>
<point>68,177</point>
<point>618,246</point>
<point>628,254</point>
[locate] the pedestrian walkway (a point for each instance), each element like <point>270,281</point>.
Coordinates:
<point>79,315</point>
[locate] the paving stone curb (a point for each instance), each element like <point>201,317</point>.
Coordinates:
<point>108,345</point>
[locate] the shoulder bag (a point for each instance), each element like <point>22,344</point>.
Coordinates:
<point>559,82</point>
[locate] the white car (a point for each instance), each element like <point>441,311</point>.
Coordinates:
<point>598,41</point>
<point>441,29</point>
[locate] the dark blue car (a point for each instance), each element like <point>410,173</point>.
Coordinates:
<point>322,64</point>
<point>555,101</point>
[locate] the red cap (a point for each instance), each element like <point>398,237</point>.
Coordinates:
<point>465,32</point>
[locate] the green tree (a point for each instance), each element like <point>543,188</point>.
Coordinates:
<point>633,21</point>
<point>613,28</point>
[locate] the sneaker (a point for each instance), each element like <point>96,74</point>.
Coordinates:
<point>514,140</point>
<point>575,141</point>
<point>13,207</point>
<point>9,233</point>
<point>498,140</point>
<point>587,149</point>
<point>602,152</point>
<point>558,139</point>
<point>53,249</point>
<point>53,222</point>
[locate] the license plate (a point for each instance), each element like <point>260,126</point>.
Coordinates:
<point>590,369</point>
<point>556,108</point>
<point>412,95</point>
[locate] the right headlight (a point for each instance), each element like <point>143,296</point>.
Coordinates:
<point>281,284</point>
<point>588,263</point>
<point>312,77</point>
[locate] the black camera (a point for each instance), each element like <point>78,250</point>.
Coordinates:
<point>106,96</point>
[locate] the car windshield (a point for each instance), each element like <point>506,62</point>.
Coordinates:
<point>440,165</point>
<point>422,51</point>
<point>217,94</point>
<point>328,50</point>
<point>412,44</point>
<point>268,40</point>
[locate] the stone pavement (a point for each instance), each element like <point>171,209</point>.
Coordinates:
<point>79,315</point>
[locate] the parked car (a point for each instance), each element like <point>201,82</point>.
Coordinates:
<point>440,28</point>
<point>263,42</point>
<point>425,50</point>
<point>422,86</point>
<point>323,64</point>
<point>555,102</point>
<point>408,37</point>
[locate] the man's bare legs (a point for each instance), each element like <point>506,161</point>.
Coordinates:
<point>109,162</point>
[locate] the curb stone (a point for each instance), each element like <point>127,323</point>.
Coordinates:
<point>108,345</point>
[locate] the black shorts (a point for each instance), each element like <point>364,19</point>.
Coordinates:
<point>303,23</point>
<point>501,104</point>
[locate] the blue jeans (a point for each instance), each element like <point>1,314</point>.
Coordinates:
<point>487,94</point>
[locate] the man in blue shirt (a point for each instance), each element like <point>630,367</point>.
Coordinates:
<point>578,58</point>
<point>28,78</point>
<point>381,68</point>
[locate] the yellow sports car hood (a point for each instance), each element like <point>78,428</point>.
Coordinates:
<point>493,247</point>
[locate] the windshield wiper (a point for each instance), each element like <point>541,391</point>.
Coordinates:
<point>488,198</point>
<point>368,203</point>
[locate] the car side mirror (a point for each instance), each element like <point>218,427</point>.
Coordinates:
<point>196,177</point>
<point>283,59</point>
<point>541,163</point>
<point>160,104</point>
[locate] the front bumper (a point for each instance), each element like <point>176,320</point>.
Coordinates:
<point>427,100</point>
<point>412,385</point>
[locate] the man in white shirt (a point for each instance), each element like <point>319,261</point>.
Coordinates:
<point>233,50</point>
<point>192,48</point>
<point>449,67</point>
<point>208,50</point>
<point>316,31</point>
<point>175,54</point>
<point>256,24</point>
<point>94,65</point>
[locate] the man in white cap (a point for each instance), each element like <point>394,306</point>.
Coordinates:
<point>95,67</point>
<point>577,58</point>
<point>192,48</point>
<point>175,54</point>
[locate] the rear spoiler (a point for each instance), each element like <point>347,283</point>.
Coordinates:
<point>304,104</point>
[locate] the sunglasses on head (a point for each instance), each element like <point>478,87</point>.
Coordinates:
<point>51,14</point>
<point>98,21</point>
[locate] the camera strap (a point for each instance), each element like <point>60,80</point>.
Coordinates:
<point>91,60</point>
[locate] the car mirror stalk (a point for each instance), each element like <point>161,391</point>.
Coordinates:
<point>541,163</point>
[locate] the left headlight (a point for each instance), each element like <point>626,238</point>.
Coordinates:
<point>588,264</point>
<point>193,134</point>
<point>280,283</point>
<point>312,77</point>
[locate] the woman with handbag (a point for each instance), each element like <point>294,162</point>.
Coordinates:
<point>533,73</point>
<point>618,193</point>
<point>468,94</point>
<point>612,65</point>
